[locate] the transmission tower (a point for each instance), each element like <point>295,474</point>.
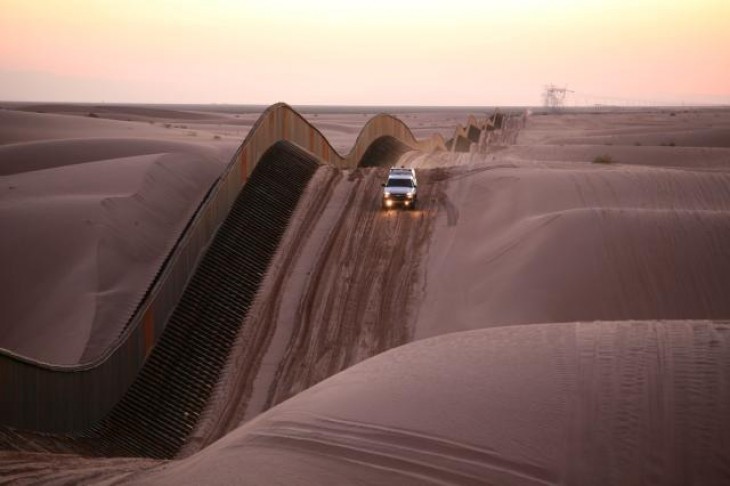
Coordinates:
<point>553,97</point>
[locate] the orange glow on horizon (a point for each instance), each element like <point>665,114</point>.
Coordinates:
<point>374,52</point>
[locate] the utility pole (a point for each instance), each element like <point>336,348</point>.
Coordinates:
<point>553,97</point>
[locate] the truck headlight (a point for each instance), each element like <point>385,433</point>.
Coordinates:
<point>409,195</point>
<point>386,195</point>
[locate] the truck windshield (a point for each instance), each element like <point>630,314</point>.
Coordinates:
<point>399,183</point>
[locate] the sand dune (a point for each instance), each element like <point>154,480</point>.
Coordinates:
<point>570,319</point>
<point>30,156</point>
<point>522,239</point>
<point>18,126</point>
<point>579,403</point>
<point>67,247</point>
<point>632,402</point>
<point>570,242</point>
<point>86,224</point>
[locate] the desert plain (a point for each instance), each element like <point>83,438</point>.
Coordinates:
<point>556,310</point>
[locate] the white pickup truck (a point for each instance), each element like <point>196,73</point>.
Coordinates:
<point>400,189</point>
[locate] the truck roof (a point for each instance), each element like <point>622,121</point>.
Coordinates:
<point>403,171</point>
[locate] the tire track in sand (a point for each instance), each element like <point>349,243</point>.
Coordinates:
<point>360,293</point>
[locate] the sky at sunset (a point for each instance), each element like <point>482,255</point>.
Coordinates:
<point>374,52</point>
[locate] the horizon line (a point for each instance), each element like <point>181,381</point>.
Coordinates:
<point>371,106</point>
